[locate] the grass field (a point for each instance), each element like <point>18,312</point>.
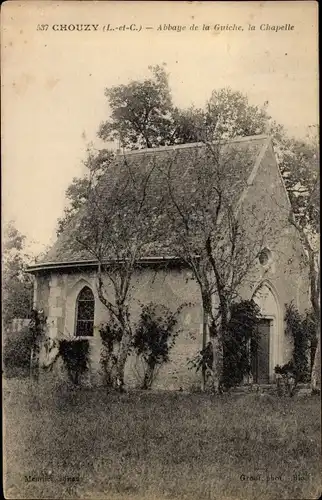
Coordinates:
<point>88,444</point>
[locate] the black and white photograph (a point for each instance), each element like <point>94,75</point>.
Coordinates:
<point>160,250</point>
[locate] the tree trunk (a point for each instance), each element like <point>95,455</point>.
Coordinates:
<point>217,366</point>
<point>315,301</point>
<point>314,278</point>
<point>212,377</point>
<point>217,335</point>
<point>34,363</point>
<point>316,370</point>
<point>204,343</point>
<point>121,359</point>
<point>148,377</point>
<point>109,367</point>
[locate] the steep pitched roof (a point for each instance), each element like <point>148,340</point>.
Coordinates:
<point>244,155</point>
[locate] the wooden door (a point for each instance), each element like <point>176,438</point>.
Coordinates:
<point>260,353</point>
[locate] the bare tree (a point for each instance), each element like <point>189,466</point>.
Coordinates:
<point>312,257</point>
<point>303,183</point>
<point>114,227</point>
<point>217,237</point>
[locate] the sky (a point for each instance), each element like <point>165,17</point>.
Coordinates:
<point>53,81</point>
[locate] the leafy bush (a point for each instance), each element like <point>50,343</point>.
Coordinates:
<point>242,331</point>
<point>17,352</point>
<point>303,330</point>
<point>288,368</point>
<point>310,327</point>
<point>286,379</point>
<point>154,338</point>
<point>111,335</point>
<point>75,355</point>
<point>21,350</point>
<point>17,285</point>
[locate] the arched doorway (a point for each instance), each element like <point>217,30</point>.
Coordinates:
<point>269,350</point>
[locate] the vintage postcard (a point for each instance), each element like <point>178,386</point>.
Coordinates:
<point>160,228</point>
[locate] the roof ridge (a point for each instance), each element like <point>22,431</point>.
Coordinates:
<point>174,147</point>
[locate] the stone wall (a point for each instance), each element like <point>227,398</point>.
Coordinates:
<point>171,288</point>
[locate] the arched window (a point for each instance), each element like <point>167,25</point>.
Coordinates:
<point>85,306</point>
